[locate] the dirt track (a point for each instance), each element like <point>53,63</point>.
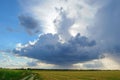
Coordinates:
<point>30,77</point>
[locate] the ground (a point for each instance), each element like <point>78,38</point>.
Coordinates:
<point>8,74</point>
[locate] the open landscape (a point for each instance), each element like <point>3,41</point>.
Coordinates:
<point>6,74</point>
<point>59,39</point>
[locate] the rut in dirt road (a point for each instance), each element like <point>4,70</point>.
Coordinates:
<point>30,77</point>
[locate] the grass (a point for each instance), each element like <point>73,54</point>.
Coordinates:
<point>7,74</point>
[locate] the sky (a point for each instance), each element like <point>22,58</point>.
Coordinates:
<point>60,34</point>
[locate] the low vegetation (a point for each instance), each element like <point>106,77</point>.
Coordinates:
<point>9,74</point>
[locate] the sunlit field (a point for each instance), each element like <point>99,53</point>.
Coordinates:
<point>6,74</point>
<point>79,75</point>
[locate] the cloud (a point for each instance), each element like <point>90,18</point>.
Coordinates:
<point>30,24</point>
<point>63,24</point>
<point>95,64</point>
<point>9,60</point>
<point>50,50</point>
<point>106,28</point>
<point>32,64</point>
<point>73,16</point>
<point>63,19</point>
<point>106,63</point>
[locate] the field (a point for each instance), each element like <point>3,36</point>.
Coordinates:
<point>79,75</point>
<point>6,74</point>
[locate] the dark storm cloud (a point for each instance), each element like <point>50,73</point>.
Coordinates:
<point>30,24</point>
<point>106,29</point>
<point>49,50</point>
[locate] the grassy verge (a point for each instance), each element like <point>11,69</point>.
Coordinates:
<point>8,74</point>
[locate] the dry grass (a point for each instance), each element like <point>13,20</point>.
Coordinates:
<point>79,75</point>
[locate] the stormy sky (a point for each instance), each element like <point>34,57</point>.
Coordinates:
<point>79,34</point>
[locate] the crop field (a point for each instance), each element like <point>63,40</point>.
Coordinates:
<point>79,75</point>
<point>6,74</point>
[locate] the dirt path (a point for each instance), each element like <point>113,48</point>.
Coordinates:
<point>25,78</point>
<point>30,77</point>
